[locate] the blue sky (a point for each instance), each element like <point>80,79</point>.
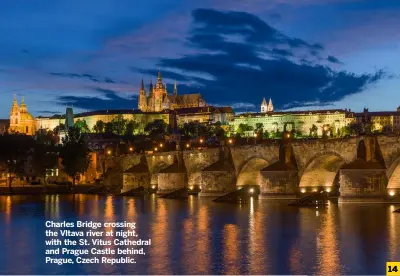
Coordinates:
<point>304,54</point>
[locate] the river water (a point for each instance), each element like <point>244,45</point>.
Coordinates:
<point>198,236</point>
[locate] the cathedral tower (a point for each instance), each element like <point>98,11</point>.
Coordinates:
<point>270,106</point>
<point>159,93</point>
<point>142,102</point>
<point>264,106</point>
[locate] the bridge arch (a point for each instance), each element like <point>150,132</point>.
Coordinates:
<point>393,175</point>
<point>322,170</point>
<point>249,173</point>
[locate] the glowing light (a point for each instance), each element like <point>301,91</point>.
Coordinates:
<point>161,145</point>
<point>315,190</point>
<point>251,190</point>
<point>109,152</point>
<point>288,135</point>
<point>328,190</point>
<point>191,188</point>
<point>153,186</point>
<point>230,141</point>
<point>130,149</point>
<point>255,134</point>
<point>303,191</point>
<point>391,193</point>
<point>187,145</point>
<point>201,140</point>
<point>156,149</point>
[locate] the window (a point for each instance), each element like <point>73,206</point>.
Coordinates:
<point>27,129</point>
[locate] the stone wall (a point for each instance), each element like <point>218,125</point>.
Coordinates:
<point>278,182</point>
<point>168,182</point>
<point>217,183</point>
<point>135,180</point>
<point>362,185</point>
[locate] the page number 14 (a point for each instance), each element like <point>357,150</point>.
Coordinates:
<point>393,268</point>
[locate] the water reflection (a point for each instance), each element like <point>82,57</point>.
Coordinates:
<point>198,236</point>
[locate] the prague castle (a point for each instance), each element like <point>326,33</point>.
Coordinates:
<point>158,98</point>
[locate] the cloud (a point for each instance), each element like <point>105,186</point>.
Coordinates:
<point>83,76</point>
<point>110,100</point>
<point>277,66</point>
<point>333,60</point>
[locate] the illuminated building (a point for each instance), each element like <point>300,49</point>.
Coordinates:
<point>158,98</point>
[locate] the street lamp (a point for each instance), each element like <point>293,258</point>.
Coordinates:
<point>130,148</point>
<point>230,141</point>
<point>187,145</point>
<point>109,152</point>
<point>161,145</point>
<point>156,149</point>
<point>201,140</point>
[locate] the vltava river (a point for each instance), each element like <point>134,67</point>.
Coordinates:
<point>198,236</point>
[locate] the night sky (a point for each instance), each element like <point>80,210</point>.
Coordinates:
<point>304,54</point>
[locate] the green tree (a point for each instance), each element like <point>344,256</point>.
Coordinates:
<point>156,129</point>
<point>13,154</point>
<point>59,128</point>
<point>217,131</point>
<point>313,131</point>
<point>131,127</point>
<point>119,125</point>
<point>74,154</point>
<point>243,128</point>
<point>44,157</point>
<point>108,128</point>
<point>99,127</point>
<point>82,125</point>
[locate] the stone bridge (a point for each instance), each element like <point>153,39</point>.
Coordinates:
<point>358,166</point>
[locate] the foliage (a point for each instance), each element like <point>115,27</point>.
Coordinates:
<point>131,127</point>
<point>194,130</point>
<point>156,129</point>
<point>74,153</point>
<point>108,128</point>
<point>313,131</point>
<point>99,127</point>
<point>243,128</point>
<point>13,152</point>
<point>59,128</point>
<point>44,157</point>
<point>119,125</point>
<point>82,125</point>
<point>216,131</point>
<point>46,137</point>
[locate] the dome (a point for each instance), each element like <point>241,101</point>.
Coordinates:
<point>25,116</point>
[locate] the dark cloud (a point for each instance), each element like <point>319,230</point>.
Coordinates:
<point>240,52</point>
<point>112,101</point>
<point>333,60</point>
<point>83,76</point>
<point>48,112</point>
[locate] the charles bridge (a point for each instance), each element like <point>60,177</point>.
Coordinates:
<point>362,168</point>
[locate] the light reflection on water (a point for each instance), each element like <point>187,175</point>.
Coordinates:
<point>198,236</point>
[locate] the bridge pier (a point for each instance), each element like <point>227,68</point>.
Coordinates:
<point>363,185</point>
<point>174,177</point>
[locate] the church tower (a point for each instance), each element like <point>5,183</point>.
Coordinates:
<point>159,92</point>
<point>270,106</point>
<point>14,116</point>
<point>264,106</point>
<point>142,102</point>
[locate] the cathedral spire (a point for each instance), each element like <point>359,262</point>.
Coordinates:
<point>159,78</point>
<point>175,89</point>
<point>142,85</point>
